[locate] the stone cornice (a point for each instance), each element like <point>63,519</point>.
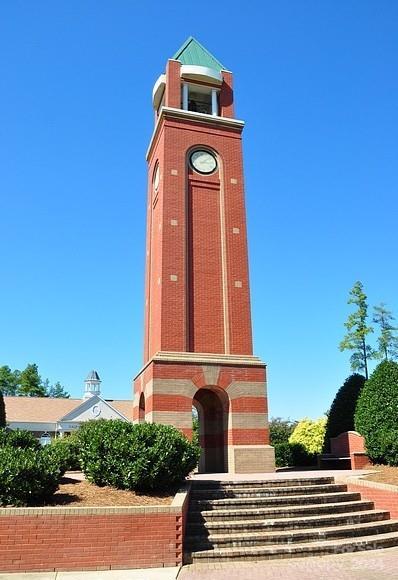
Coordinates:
<point>204,358</point>
<point>201,118</point>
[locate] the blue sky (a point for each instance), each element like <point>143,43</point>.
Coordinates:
<point>316,83</point>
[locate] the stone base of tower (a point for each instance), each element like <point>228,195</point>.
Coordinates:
<point>251,459</point>
<point>229,394</point>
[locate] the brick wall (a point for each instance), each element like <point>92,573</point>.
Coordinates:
<point>48,539</point>
<point>197,281</point>
<point>346,443</point>
<point>384,496</point>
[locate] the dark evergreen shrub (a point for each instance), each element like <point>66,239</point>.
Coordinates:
<point>2,411</point>
<point>301,457</point>
<point>283,454</point>
<point>376,416</point>
<point>146,456</point>
<point>18,439</point>
<point>26,476</point>
<point>342,411</point>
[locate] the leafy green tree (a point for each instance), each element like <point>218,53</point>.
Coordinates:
<point>2,411</point>
<point>57,391</point>
<point>306,441</point>
<point>280,430</point>
<point>310,434</point>
<point>31,384</point>
<point>9,381</point>
<point>388,339</point>
<point>341,415</point>
<point>358,330</point>
<point>376,414</point>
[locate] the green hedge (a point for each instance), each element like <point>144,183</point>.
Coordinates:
<point>65,452</point>
<point>18,439</point>
<point>376,416</point>
<point>27,476</point>
<point>147,456</point>
<point>342,411</point>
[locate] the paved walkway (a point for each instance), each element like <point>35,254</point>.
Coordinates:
<point>148,574</point>
<point>373,565</point>
<point>289,473</point>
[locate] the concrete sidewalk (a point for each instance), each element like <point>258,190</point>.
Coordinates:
<point>287,473</point>
<point>147,574</point>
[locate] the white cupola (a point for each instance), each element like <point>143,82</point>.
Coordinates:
<point>92,385</point>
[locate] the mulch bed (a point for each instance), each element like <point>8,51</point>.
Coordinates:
<point>75,492</point>
<point>385,474</point>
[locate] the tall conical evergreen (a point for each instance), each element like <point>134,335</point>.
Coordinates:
<point>342,410</point>
<point>2,411</point>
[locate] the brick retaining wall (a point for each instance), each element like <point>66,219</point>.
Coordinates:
<point>52,539</point>
<point>383,495</point>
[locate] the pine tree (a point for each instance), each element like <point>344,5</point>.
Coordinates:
<point>57,391</point>
<point>9,381</point>
<point>388,339</point>
<point>358,330</point>
<point>31,385</point>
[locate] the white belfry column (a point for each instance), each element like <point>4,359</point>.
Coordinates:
<point>92,385</point>
<point>185,97</point>
<point>214,103</point>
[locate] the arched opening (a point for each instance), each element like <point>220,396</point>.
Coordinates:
<point>212,407</point>
<point>141,415</point>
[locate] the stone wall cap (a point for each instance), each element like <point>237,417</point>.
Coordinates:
<point>204,359</point>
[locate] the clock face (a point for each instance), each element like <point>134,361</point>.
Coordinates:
<point>203,162</point>
<point>156,178</point>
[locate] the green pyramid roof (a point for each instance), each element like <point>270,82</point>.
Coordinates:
<point>192,52</point>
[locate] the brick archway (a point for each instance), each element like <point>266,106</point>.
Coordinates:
<point>212,405</point>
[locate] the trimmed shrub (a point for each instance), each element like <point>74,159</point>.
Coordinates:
<point>342,411</point>
<point>26,476</point>
<point>376,416</point>
<point>145,456</point>
<point>307,440</point>
<point>18,439</point>
<point>64,452</point>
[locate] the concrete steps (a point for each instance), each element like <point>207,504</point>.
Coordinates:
<point>243,526</point>
<point>258,520</point>
<point>219,497</point>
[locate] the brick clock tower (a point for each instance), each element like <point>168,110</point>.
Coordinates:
<point>198,337</point>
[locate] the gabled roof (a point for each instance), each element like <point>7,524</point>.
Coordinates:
<point>46,410</point>
<point>87,404</point>
<point>192,52</point>
<point>38,409</point>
